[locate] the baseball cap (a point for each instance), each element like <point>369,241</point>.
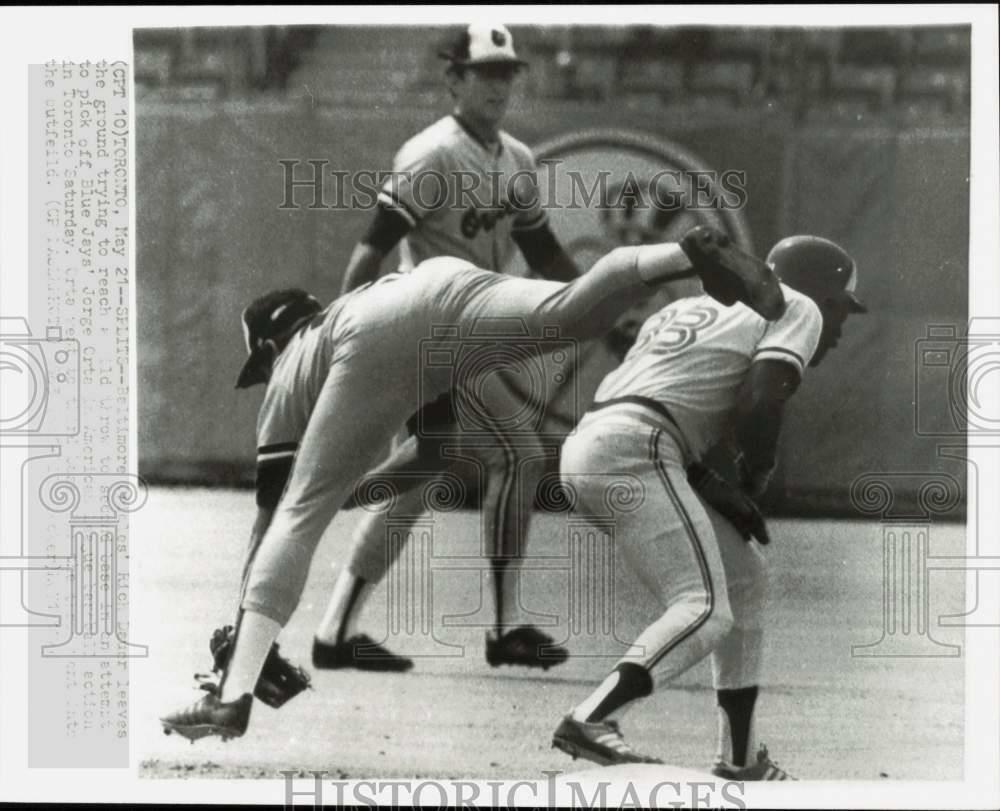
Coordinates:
<point>481,44</point>
<point>272,315</point>
<point>817,267</point>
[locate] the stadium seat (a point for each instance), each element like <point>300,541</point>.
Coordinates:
<point>877,85</point>
<point>850,110</point>
<point>147,38</point>
<point>153,64</point>
<point>594,75</point>
<point>807,65</point>
<point>209,63</point>
<point>652,76</point>
<point>875,47</point>
<point>728,81</point>
<point>547,79</point>
<point>924,111</point>
<point>751,46</point>
<point>544,38</point>
<point>781,77</point>
<point>945,47</point>
<point>819,44</point>
<point>600,38</point>
<point>195,91</point>
<point>638,100</point>
<point>143,89</point>
<point>742,43</point>
<point>948,86</point>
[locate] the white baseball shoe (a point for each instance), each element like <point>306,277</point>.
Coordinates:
<point>763,769</point>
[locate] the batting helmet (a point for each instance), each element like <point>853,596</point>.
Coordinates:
<point>817,267</point>
<point>482,44</point>
<point>272,316</point>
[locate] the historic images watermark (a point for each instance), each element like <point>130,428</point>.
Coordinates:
<point>959,366</point>
<point>312,184</point>
<point>314,789</point>
<point>953,368</point>
<point>48,403</point>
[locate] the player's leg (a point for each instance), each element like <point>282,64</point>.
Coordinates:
<point>345,434</point>
<point>417,460</point>
<point>584,308</point>
<point>511,460</point>
<point>668,541</point>
<point>670,544</point>
<point>339,641</point>
<point>589,306</point>
<point>412,467</point>
<point>737,659</point>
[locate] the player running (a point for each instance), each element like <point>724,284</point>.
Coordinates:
<point>328,410</point>
<point>699,375</point>
<point>462,187</point>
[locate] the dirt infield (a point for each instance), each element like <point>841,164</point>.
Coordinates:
<point>824,713</point>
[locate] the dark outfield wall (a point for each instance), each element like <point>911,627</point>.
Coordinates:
<point>211,236</point>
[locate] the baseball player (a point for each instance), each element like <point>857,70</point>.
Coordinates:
<point>462,187</point>
<point>341,381</point>
<point>700,375</point>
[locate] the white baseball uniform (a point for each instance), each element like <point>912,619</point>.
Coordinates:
<point>670,400</point>
<point>458,195</point>
<point>461,198</point>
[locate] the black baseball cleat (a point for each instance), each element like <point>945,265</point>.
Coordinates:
<point>730,274</point>
<point>525,646</point>
<point>210,715</point>
<point>360,652</point>
<point>597,741</point>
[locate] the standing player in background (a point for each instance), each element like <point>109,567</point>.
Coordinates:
<point>464,188</point>
<point>699,375</point>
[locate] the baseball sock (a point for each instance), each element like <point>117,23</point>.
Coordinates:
<point>349,592</point>
<point>663,263</point>
<point>736,724</point>
<point>626,683</point>
<point>254,638</point>
<point>501,582</point>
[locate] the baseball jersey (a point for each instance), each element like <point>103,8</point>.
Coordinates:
<point>440,290</point>
<point>693,355</point>
<point>457,194</point>
<point>296,380</point>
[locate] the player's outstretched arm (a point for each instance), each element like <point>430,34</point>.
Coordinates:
<point>387,228</point>
<point>364,266</point>
<point>759,413</point>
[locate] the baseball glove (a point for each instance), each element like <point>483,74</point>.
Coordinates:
<point>280,680</point>
<point>729,274</point>
<point>730,501</point>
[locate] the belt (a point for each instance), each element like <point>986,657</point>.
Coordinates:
<point>646,410</point>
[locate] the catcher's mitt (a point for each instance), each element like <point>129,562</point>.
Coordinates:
<point>730,501</point>
<point>280,680</point>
